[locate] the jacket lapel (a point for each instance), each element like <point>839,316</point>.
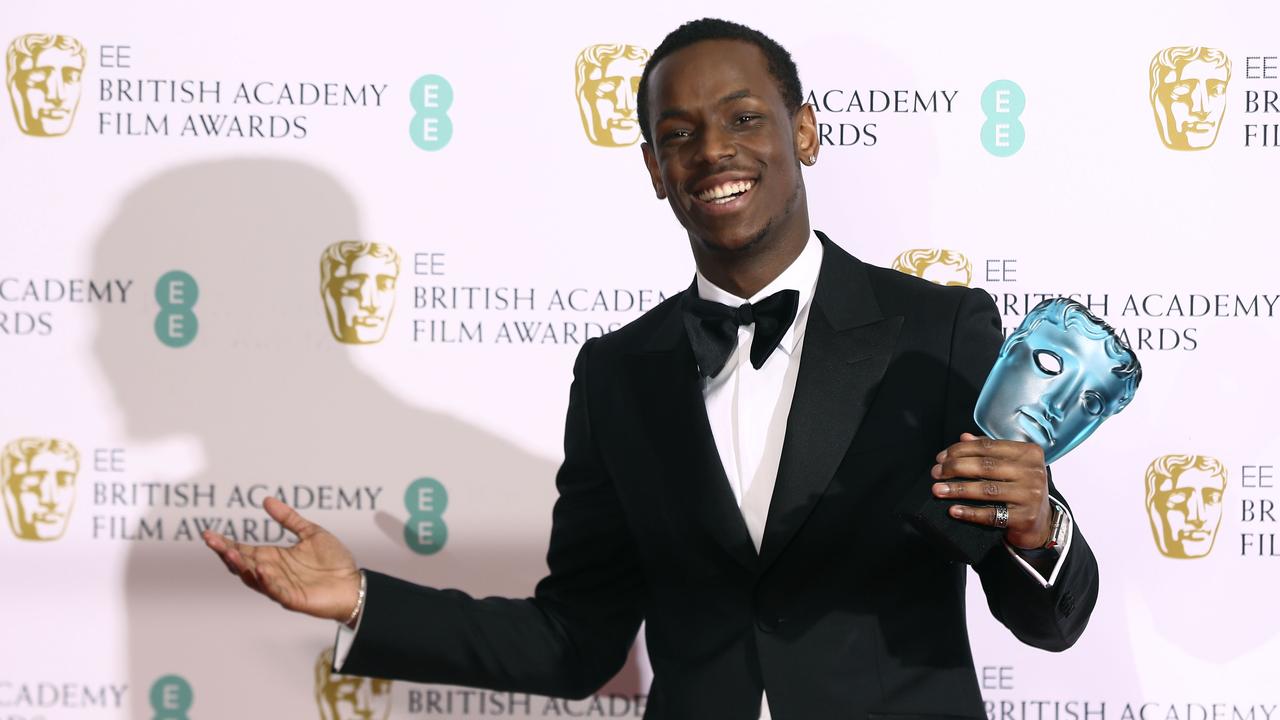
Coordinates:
<point>847,347</point>
<point>669,393</point>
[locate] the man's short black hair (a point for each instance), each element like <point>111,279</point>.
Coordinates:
<point>781,66</point>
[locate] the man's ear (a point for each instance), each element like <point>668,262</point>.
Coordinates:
<point>806,134</point>
<point>655,176</point>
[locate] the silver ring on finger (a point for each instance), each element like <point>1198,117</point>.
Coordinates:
<point>1002,515</point>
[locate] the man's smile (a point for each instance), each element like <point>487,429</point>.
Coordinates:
<point>723,193</point>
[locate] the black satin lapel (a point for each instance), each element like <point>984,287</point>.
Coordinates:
<point>838,377</point>
<point>674,414</point>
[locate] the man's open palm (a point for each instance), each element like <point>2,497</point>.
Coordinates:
<point>317,575</point>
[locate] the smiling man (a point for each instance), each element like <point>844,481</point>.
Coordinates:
<point>740,461</point>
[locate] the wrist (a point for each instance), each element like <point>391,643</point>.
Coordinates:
<point>352,619</point>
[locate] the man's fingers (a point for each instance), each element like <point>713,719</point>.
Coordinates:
<point>980,467</point>
<point>288,517</point>
<point>986,490</point>
<point>223,548</point>
<point>985,515</point>
<point>1000,449</point>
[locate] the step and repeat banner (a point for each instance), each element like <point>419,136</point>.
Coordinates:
<point>346,256</point>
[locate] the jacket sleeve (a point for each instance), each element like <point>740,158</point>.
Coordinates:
<point>1050,618</point>
<point>567,640</point>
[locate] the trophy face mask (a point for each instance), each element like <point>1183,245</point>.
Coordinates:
<point>1057,378</point>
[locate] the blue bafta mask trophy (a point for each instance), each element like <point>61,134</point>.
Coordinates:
<point>1057,378</point>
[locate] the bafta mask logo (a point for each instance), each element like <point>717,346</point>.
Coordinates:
<point>42,73</point>
<point>1184,503</point>
<point>343,697</point>
<point>39,485</point>
<point>941,266</point>
<point>1189,95</point>
<point>358,284</point>
<point>1057,378</point>
<point>608,78</point>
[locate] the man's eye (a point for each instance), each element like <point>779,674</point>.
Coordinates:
<point>1048,362</point>
<point>676,134</point>
<point>743,119</point>
<point>1092,402</point>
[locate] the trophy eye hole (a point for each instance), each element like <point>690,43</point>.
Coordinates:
<point>1048,362</point>
<point>1092,403</point>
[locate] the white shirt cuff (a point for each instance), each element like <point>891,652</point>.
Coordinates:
<point>1062,554</point>
<point>347,637</point>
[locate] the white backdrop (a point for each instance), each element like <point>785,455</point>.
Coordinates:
<point>520,203</point>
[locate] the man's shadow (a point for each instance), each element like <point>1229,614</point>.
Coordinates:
<point>269,397</point>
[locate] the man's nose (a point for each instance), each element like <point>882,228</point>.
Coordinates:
<point>716,145</point>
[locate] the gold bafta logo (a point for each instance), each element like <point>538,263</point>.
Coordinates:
<point>42,74</point>
<point>344,697</point>
<point>39,485</point>
<point>1189,95</point>
<point>358,285</point>
<point>937,265</point>
<point>608,79</point>
<point>1184,503</point>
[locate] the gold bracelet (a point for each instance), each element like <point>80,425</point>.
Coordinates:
<point>355,612</point>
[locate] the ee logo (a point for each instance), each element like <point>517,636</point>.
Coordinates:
<point>431,128</point>
<point>171,698</point>
<point>1002,102</point>
<point>176,325</point>
<point>426,532</point>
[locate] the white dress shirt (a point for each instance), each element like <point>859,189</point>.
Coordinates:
<point>748,410</point>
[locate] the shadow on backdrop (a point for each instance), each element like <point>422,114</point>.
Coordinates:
<point>272,399</point>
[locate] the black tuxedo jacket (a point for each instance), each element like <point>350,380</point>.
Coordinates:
<point>846,612</point>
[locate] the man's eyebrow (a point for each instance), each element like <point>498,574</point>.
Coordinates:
<point>678,111</point>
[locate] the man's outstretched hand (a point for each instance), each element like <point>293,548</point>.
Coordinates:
<point>317,575</point>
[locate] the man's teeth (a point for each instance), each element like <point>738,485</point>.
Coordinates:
<point>724,193</point>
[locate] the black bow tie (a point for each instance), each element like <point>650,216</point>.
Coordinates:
<point>713,328</point>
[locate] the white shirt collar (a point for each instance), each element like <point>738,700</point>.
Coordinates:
<point>801,275</point>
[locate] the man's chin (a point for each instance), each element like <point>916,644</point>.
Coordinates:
<point>729,240</point>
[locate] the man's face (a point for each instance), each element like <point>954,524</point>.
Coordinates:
<point>610,91</point>
<point>1052,388</point>
<point>1193,101</point>
<point>724,146</point>
<point>39,495</point>
<point>354,698</point>
<point>46,91</point>
<point>1189,508</point>
<point>362,297</point>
